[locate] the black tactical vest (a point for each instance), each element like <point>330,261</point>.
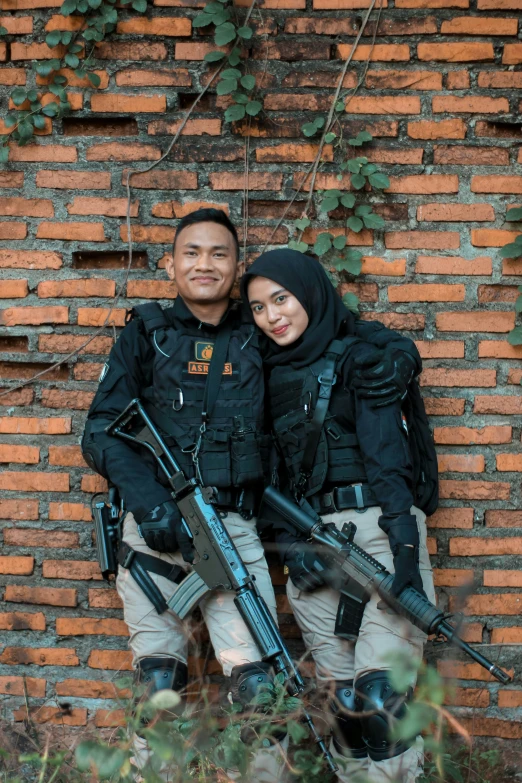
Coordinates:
<point>231,447</point>
<point>293,397</point>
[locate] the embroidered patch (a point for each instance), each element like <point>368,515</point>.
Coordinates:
<point>201,368</point>
<point>103,374</point>
<point>203,351</point>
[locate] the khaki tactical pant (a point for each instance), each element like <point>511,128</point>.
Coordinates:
<point>384,638</point>
<point>165,635</point>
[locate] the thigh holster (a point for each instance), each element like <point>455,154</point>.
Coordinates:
<point>347,736</point>
<point>382,707</point>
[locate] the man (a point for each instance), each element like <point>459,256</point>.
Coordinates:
<point>163,357</point>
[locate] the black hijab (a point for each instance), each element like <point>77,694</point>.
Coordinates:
<point>307,281</point>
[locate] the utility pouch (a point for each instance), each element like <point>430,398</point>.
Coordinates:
<point>245,455</point>
<point>214,459</point>
<point>350,614</point>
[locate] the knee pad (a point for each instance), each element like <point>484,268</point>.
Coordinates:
<point>161,674</point>
<point>383,706</point>
<point>347,737</point>
<point>247,680</point>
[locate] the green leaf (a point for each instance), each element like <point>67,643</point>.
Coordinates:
<point>363,209</point>
<point>309,129</point>
<point>94,79</point>
<point>248,81</point>
<point>72,60</point>
<point>68,7</point>
<point>218,19</point>
<point>3,31</point>
<point>140,6</point>
<point>296,731</point>
<point>59,79</point>
<point>55,64</point>
<point>373,221</point>
<point>226,86</point>
<point>202,20</point>
<point>351,302</point>
<point>51,110</point>
<point>10,119</point>
<point>355,224</point>
<point>44,69</point>
<point>368,168</point>
<point>301,247</point>
<point>57,89</point>
<point>330,137</point>
<point>234,57</point>
<point>340,242</point>
<point>328,204</point>
<point>302,223</point>
<point>224,34</point>
<point>39,122</point>
<point>348,200</point>
<point>323,244</point>
<point>107,761</point>
<point>230,73</point>
<point>18,96</point>
<point>353,166</point>
<point>214,57</point>
<point>513,215</point>
<point>332,192</point>
<point>319,122</point>
<point>245,33</point>
<point>253,108</point>
<point>94,3</point>
<point>379,180</point>
<point>359,140</point>
<point>76,48</point>
<point>339,106</point>
<point>518,305</point>
<point>4,153</point>
<point>213,8</point>
<point>240,97</point>
<point>234,113</point>
<point>53,39</point>
<point>515,336</point>
<point>358,181</point>
<point>512,250</point>
<point>66,37</point>
<point>25,129</point>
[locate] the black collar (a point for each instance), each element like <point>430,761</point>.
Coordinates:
<point>180,315</point>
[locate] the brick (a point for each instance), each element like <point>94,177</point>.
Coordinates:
<point>453,265</point>
<point>432,4</point>
<point>403,80</point>
<point>96,316</point>
<point>381,266</point>
<point>410,157</point>
<point>492,237</point>
<point>120,660</point>
<point>26,207</point>
<point>22,621</point>
<point>195,51</point>
<point>71,569</point>
<point>19,509</point>
<point>509,462</point>
<point>362,239</point>
<point>34,426</point>
<point>375,53</point>
<point>151,289</point>
<point>426,293</point>
<point>208,127</point>
<point>461,52</point>
<point>52,716</point>
<point>470,156</point>
<point>24,396</point>
<point>492,727</point>
<point>90,689</point>
<point>422,240</point>
<point>501,80</point>
<point>442,129</point>
<point>422,184</point>
<point>20,686</point>
<point>227,180</point>
<point>496,184</point>
<point>474,490</point>
<point>292,153</point>
<point>149,234</point>
<point>40,656</point>
<point>498,5</point>
<point>457,80</point>
<point>18,565</point>
<point>51,596</point>
<point>444,406</point>
<point>13,289</point>
<point>131,50</point>
<point>35,51</point>
<point>460,436</point>
<point>66,455</point>
<point>11,179</point>
<point>512,54</point>
<point>108,207</point>
<point>461,463</point>
<point>30,259</point>
<point>90,371</point>
<point>163,180</point>
<point>83,626</point>
<point>475,322</point>
<point>498,604</point>
<point>13,230</point>
<point>178,209</point>
<point>104,599</point>
<point>115,150</point>
<point>451,213</point>
<point>398,321</point>
<point>468,697</point>
<point>473,25</point>
<point>72,79</point>
<point>509,699</point>
<point>73,180</point>
<point>12,76</point>
<point>15,316</point>
<point>157,78</point>
<point>160,25</point>
<point>514,376</point>
<point>499,349</point>
<point>56,539</point>
<point>499,404</point>
<point>74,512</point>
<point>452,518</point>
<point>93,484</point>
<point>66,343</point>
<point>452,577</point>
<point>511,266</point>
<point>110,718</point>
<point>385,104</point>
<point>11,453</point>
<point>320,5</point>
<point>453,104</point>
<point>499,578</point>
<point>72,232</point>
<point>34,482</point>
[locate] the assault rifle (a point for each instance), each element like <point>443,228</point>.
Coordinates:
<point>366,574</point>
<point>217,563</point>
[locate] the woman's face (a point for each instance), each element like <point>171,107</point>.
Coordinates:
<point>276,311</point>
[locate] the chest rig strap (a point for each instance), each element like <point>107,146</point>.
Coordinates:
<point>327,379</point>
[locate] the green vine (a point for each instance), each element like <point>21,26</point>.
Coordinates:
<point>514,250</point>
<point>99,19</point>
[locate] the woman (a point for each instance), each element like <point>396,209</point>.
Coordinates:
<point>358,469</point>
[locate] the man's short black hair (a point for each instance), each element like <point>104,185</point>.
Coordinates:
<point>208,215</point>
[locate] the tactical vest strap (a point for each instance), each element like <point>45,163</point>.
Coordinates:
<point>151,315</point>
<point>139,565</point>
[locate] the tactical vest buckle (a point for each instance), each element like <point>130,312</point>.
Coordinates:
<point>179,400</point>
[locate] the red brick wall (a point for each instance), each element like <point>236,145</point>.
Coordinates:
<point>440,97</point>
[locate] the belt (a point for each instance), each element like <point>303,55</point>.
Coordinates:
<point>341,498</point>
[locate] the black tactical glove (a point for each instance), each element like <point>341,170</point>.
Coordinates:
<point>305,568</point>
<point>163,530</point>
<point>407,574</point>
<point>382,376</point>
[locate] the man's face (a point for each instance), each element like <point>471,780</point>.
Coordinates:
<point>204,265</point>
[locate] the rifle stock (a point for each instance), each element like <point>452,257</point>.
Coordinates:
<point>358,566</point>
